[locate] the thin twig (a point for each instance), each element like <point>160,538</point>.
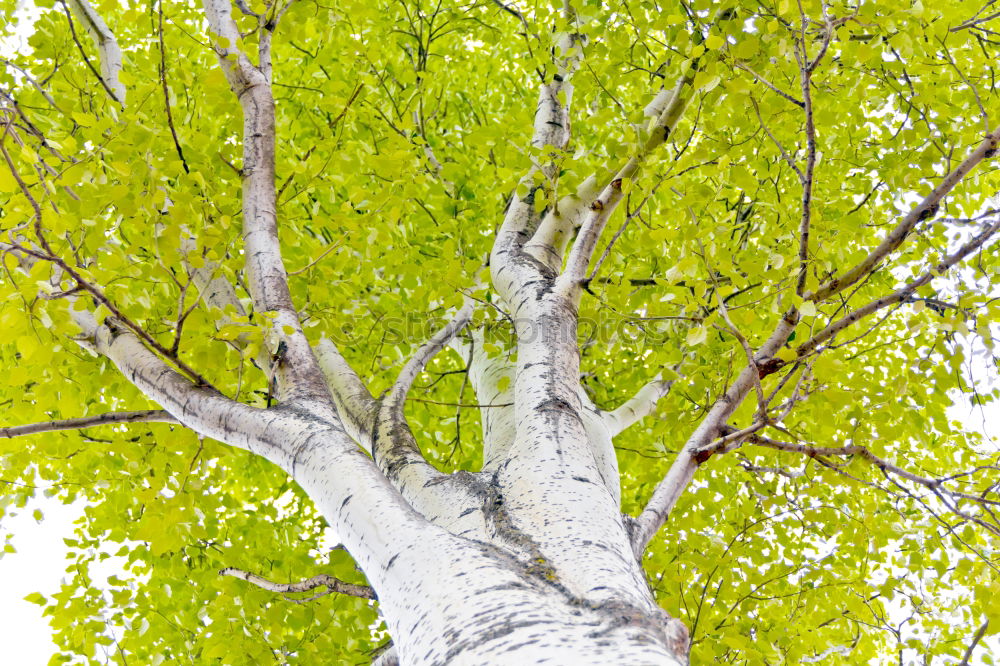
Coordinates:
<point>784,154</point>
<point>316,260</point>
<point>936,486</point>
<point>35,84</point>
<point>461,404</point>
<point>166,93</point>
<point>724,313</point>
<point>901,295</point>
<point>767,83</point>
<point>90,65</point>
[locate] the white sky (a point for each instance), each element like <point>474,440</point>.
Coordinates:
<point>37,566</point>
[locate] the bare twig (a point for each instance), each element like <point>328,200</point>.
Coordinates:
<point>104,40</point>
<point>784,154</point>
<point>316,260</point>
<point>34,83</point>
<point>936,486</point>
<point>724,313</point>
<point>974,21</point>
<point>461,404</point>
<point>510,10</point>
<point>166,92</point>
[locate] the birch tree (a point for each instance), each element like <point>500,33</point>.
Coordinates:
<point>427,332</point>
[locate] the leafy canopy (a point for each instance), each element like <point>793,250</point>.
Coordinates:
<point>402,129</point>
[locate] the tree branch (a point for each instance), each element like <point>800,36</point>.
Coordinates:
<point>200,408</point>
<point>693,453</point>
<point>571,280</point>
<point>107,47</point>
<point>548,243</point>
<point>333,585</point>
<point>976,638</point>
<point>510,266</point>
<point>902,294</point>
<point>936,486</point>
<point>110,418</point>
<point>416,364</point>
<point>355,403</point>
<point>924,210</point>
<point>639,406</point>
<point>758,77</point>
<point>297,371</point>
<point>166,90</point>
<point>492,382</point>
<point>48,254</point>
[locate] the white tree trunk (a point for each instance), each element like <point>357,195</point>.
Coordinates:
<point>528,560</point>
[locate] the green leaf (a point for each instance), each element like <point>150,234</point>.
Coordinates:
<point>36,598</point>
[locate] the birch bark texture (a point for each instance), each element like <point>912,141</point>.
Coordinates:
<point>541,546</point>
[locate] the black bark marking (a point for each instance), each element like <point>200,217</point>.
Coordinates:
<point>769,367</point>
<point>928,212</point>
<point>555,404</point>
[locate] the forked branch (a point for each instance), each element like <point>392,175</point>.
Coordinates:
<point>902,294</point>
<point>926,209</point>
<point>296,369</point>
